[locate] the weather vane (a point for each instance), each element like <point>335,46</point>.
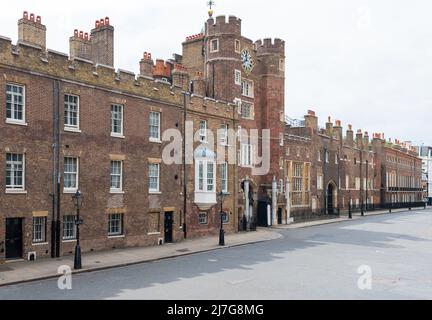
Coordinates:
<point>210,4</point>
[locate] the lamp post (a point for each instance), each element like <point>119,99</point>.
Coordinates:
<point>349,206</point>
<point>221,232</point>
<point>77,199</point>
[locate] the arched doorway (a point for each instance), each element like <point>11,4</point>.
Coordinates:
<point>331,198</point>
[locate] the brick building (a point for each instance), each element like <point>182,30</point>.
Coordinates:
<point>75,123</point>
<point>329,170</point>
<point>159,155</point>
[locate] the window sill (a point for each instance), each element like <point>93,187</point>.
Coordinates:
<point>16,122</point>
<point>154,234</point>
<point>117,192</point>
<point>70,191</point>
<point>12,191</point>
<point>40,244</point>
<point>71,129</point>
<point>158,141</point>
<point>117,237</point>
<point>155,192</point>
<point>117,135</point>
<point>68,241</point>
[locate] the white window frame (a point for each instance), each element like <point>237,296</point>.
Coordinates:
<point>121,133</point>
<point>12,187</point>
<point>120,175</point>
<point>203,215</point>
<point>66,236</point>
<point>157,177</point>
<point>69,189</point>
<point>224,134</point>
<point>39,236</point>
<point>203,131</point>
<point>237,77</point>
<point>247,89</point>
<point>120,221</point>
<point>247,155</point>
<point>225,218</point>
<point>204,176</point>
<point>251,112</point>
<point>12,119</point>
<point>67,104</point>
<point>224,177</point>
<point>212,50</point>
<point>320,182</point>
<point>153,125</point>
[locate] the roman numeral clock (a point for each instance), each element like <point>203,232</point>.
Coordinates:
<point>247,61</point>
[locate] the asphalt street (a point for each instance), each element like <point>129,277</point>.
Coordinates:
<point>388,255</point>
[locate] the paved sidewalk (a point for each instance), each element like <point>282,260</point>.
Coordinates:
<point>344,217</point>
<point>24,271</point>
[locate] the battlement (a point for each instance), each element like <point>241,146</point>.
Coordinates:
<point>212,107</point>
<point>223,26</point>
<point>27,57</point>
<point>266,46</point>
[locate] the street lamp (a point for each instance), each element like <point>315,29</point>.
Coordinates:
<point>77,199</point>
<point>222,232</point>
<point>349,205</point>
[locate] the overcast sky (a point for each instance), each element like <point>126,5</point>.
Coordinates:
<point>365,62</point>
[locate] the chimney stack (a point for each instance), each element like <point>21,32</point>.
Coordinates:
<point>349,136</point>
<point>146,65</point>
<point>31,30</point>
<point>80,45</point>
<point>102,39</point>
<point>180,77</point>
<point>337,129</point>
<point>311,120</point>
<point>359,139</point>
<point>198,84</point>
<point>329,127</point>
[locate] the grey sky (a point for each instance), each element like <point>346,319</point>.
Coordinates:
<point>365,62</point>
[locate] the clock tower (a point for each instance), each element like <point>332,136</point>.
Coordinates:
<point>222,57</point>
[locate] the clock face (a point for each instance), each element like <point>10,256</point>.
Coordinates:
<point>247,61</point>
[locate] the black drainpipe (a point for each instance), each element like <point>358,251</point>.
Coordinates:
<point>55,225</point>
<point>185,175</point>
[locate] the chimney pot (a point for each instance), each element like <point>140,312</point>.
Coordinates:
<point>97,24</point>
<point>350,127</point>
<point>102,22</point>
<point>32,17</point>
<point>76,32</point>
<point>25,15</point>
<point>107,21</point>
<point>38,19</point>
<point>81,34</point>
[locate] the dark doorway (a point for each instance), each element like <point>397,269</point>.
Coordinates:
<point>14,241</point>
<point>169,227</point>
<point>279,215</point>
<point>330,191</point>
<point>262,214</point>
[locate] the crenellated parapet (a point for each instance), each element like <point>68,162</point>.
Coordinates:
<point>222,25</point>
<point>212,107</point>
<point>58,65</point>
<point>269,46</point>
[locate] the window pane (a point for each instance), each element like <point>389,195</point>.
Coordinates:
<point>14,102</point>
